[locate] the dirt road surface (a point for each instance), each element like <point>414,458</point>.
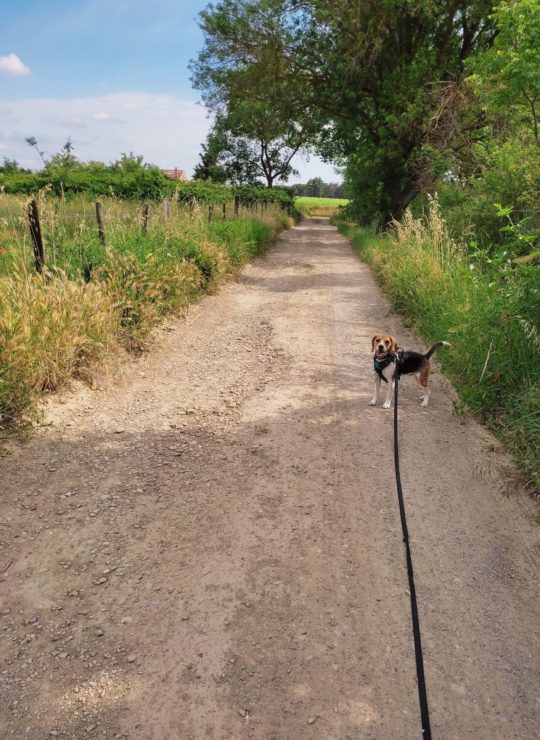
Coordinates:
<point>212,548</point>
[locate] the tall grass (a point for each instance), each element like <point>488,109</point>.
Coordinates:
<point>91,302</point>
<point>488,314</point>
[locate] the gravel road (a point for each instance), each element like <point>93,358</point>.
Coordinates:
<point>212,548</point>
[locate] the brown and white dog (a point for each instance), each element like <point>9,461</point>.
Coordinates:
<point>384,347</point>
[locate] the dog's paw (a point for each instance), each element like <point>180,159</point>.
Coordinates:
<point>424,403</point>
<point>386,405</point>
<point>373,402</point>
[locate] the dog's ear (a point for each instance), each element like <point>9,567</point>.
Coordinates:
<point>393,344</point>
<point>374,340</point>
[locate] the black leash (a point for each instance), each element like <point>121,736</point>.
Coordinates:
<point>422,693</point>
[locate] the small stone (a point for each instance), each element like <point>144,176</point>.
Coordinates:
<point>100,633</point>
<point>311,720</point>
<point>131,659</point>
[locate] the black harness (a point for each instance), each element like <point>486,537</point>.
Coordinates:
<point>380,365</point>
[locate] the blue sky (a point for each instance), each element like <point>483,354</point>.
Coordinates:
<point>112,75</point>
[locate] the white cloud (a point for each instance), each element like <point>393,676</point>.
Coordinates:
<point>12,65</point>
<point>167,130</point>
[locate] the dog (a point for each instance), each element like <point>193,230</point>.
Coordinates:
<point>384,347</point>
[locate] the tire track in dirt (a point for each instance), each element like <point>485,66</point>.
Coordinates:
<point>213,549</point>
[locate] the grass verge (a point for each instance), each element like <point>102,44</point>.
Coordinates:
<point>488,316</point>
<point>91,303</point>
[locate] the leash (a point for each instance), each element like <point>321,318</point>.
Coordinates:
<point>421,680</point>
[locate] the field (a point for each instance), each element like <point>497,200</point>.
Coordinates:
<point>92,301</point>
<point>319,206</point>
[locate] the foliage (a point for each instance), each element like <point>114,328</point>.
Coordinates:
<point>317,188</point>
<point>230,155</point>
<point>490,306</point>
<point>11,167</point>
<point>92,302</point>
<point>211,166</point>
<point>374,85</point>
<point>130,179</point>
<point>507,76</point>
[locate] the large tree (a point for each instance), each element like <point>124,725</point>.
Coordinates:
<point>242,155</point>
<point>373,85</point>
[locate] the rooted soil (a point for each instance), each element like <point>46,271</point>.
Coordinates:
<point>213,549</point>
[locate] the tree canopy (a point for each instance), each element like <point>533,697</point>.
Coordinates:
<point>372,85</point>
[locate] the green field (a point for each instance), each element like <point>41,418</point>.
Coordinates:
<point>319,206</point>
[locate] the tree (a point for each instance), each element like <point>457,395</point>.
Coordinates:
<point>213,150</point>
<point>63,160</point>
<point>360,79</point>
<point>32,141</point>
<point>230,155</point>
<point>507,76</point>
<point>11,167</point>
<point>315,187</point>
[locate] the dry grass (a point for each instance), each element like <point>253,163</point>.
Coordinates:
<point>51,329</point>
<point>92,302</point>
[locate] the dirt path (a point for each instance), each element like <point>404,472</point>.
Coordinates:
<point>213,550</point>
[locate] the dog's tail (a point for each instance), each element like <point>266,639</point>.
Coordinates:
<point>436,347</point>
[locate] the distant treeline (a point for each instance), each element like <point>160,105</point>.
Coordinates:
<point>317,188</point>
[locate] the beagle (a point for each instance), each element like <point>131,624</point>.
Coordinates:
<point>384,347</point>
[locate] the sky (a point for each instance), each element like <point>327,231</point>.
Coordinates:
<point>111,75</point>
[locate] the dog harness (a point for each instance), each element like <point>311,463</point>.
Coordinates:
<point>380,365</point>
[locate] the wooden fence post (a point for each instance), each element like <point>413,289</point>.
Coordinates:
<point>236,205</point>
<point>191,207</point>
<point>100,224</point>
<point>210,211</point>
<point>35,233</point>
<point>166,206</point>
<point>224,211</point>
<point>145,218</point>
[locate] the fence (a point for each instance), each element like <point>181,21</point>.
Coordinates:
<point>234,208</point>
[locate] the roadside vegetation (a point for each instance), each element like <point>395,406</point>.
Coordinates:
<point>432,112</point>
<point>93,302</point>
<point>488,311</point>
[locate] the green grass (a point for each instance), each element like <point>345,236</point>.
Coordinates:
<point>319,206</point>
<point>488,316</point>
